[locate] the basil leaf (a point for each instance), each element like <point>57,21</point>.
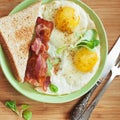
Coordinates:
<point>24,112</point>
<point>96,42</point>
<point>89,40</point>
<point>90,35</point>
<point>53,88</point>
<point>45,1</point>
<point>27,115</point>
<point>49,67</point>
<point>60,50</point>
<point>25,107</point>
<point>89,44</point>
<point>12,106</point>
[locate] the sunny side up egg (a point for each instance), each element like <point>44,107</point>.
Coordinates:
<point>70,20</point>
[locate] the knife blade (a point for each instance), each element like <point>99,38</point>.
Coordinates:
<point>111,59</point>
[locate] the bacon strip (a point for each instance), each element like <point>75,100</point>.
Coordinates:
<point>37,67</point>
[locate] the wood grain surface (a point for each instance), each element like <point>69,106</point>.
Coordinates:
<point>108,107</point>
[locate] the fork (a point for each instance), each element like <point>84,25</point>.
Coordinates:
<point>115,71</point>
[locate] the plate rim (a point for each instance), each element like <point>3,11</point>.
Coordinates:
<point>73,95</point>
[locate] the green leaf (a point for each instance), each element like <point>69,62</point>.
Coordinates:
<point>89,44</point>
<point>27,115</point>
<point>89,40</point>
<point>53,88</point>
<point>49,67</point>
<point>12,106</point>
<point>60,50</point>
<point>23,112</point>
<point>46,1</point>
<point>90,35</point>
<point>25,107</point>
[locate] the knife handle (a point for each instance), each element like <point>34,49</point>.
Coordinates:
<point>88,111</point>
<point>80,107</point>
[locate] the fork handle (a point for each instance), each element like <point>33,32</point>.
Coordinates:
<point>80,107</point>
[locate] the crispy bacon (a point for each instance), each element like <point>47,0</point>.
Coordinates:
<point>37,67</point>
<point>36,46</point>
<point>46,83</point>
<point>43,30</point>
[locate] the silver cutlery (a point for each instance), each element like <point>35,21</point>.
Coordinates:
<point>80,108</point>
<point>115,72</point>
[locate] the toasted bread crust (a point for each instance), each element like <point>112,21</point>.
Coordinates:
<point>16,34</point>
<point>10,57</point>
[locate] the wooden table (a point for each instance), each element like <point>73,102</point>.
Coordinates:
<point>108,107</point>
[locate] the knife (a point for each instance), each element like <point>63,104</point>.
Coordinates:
<point>111,60</point>
<point>115,71</point>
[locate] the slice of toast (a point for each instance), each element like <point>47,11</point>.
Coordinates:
<point>16,34</point>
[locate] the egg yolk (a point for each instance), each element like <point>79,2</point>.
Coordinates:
<point>85,60</point>
<point>66,19</point>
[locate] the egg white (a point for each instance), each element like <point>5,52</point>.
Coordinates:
<point>59,38</point>
<point>68,79</point>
